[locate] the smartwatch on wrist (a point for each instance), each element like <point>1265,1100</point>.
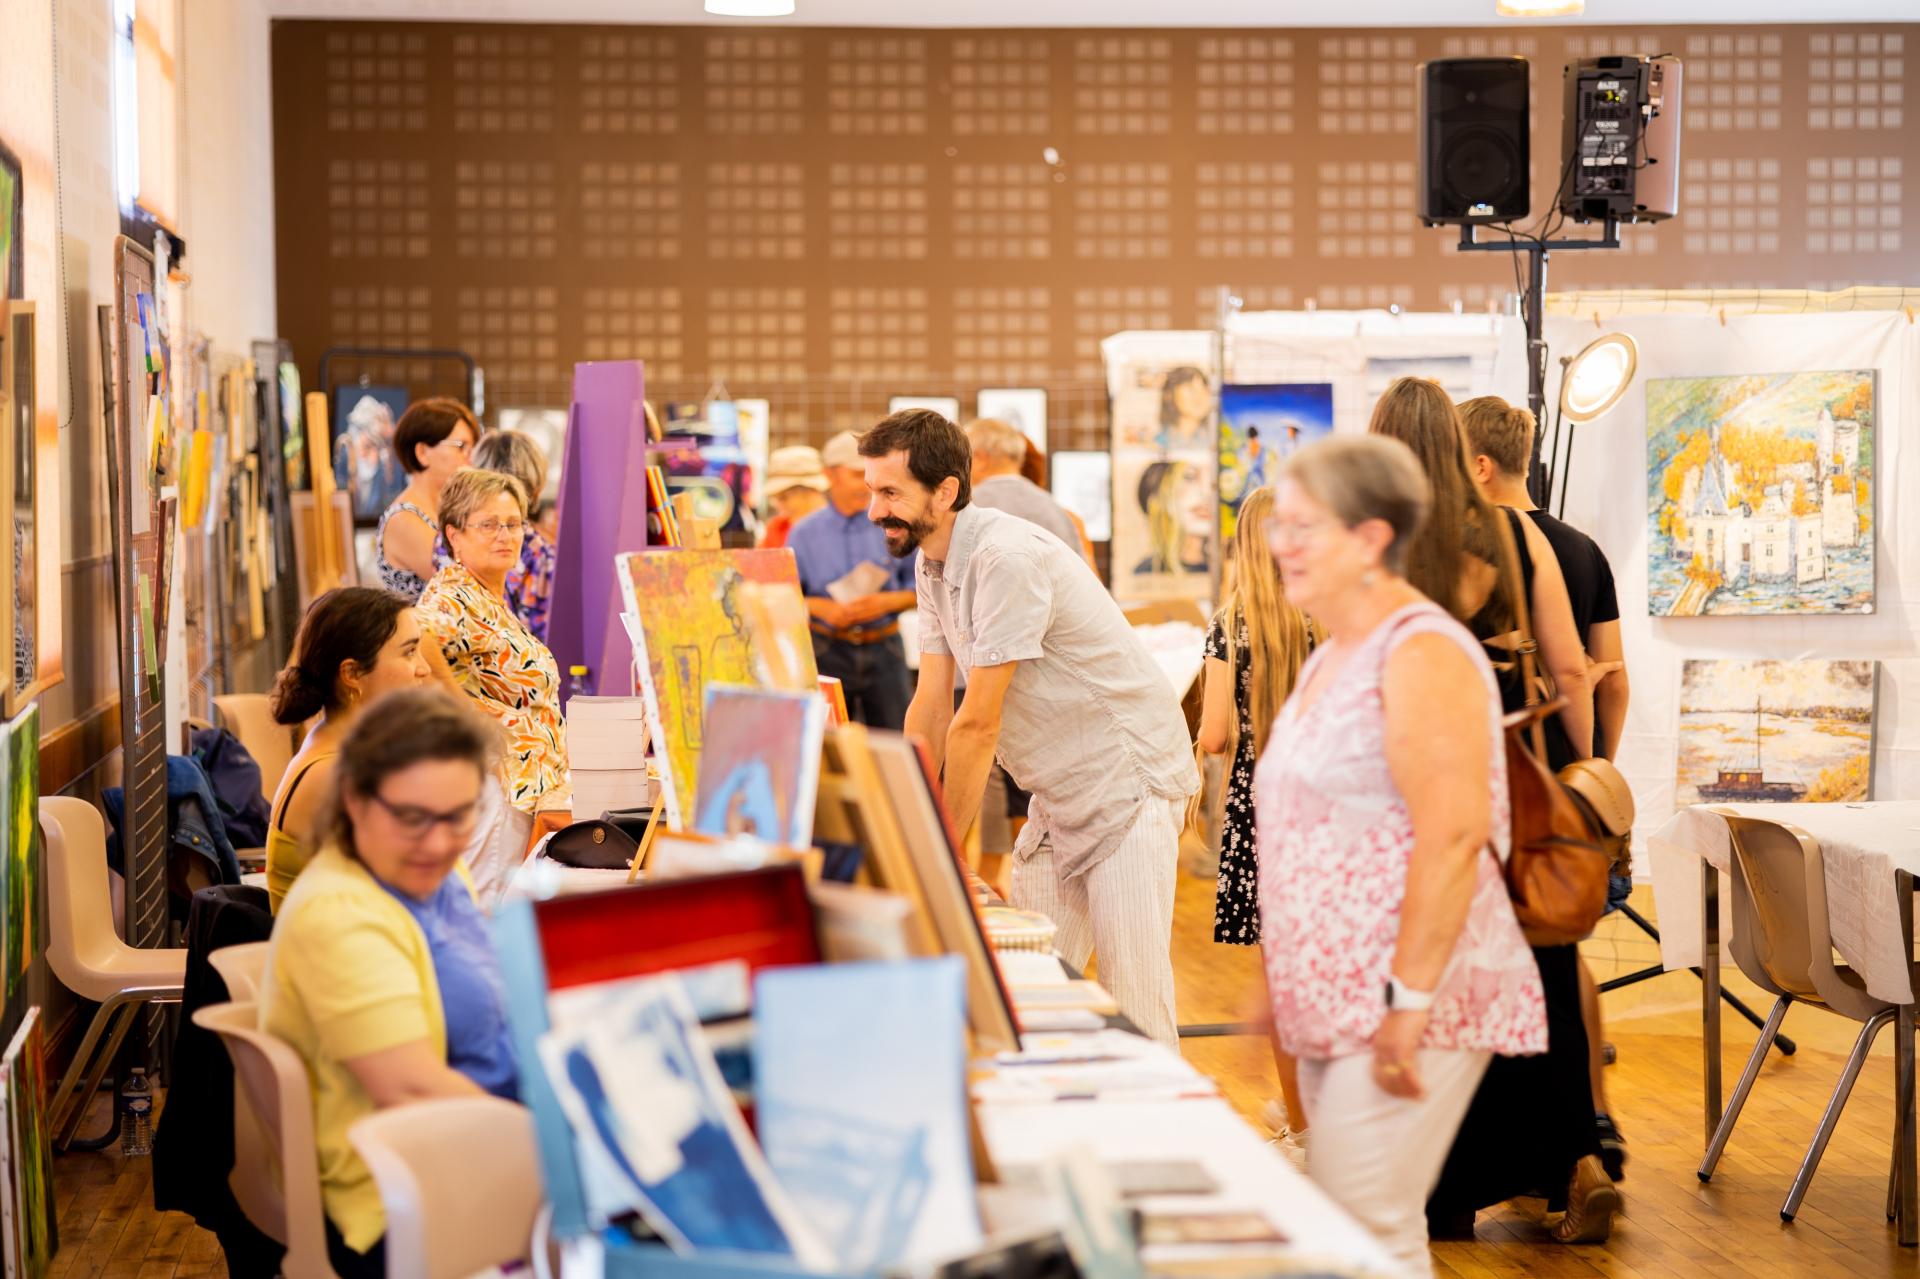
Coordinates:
<point>1402,998</point>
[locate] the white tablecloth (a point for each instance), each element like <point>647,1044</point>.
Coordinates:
<point>1862,846</point>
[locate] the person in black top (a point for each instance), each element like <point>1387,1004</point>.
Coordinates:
<point>1500,445</point>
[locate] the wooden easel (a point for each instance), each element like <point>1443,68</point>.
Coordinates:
<point>695,534</point>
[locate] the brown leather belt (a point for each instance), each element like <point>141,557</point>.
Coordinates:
<point>857,637</point>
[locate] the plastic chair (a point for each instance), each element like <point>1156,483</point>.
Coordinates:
<point>284,1204</point>
<point>1782,941</point>
<point>249,717</point>
<point>242,968</point>
<point>90,959</point>
<point>460,1180</point>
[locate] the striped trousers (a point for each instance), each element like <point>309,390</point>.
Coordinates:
<point>1121,910</point>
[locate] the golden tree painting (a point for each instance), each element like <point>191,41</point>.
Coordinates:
<point>1760,493</point>
<point>1775,732</point>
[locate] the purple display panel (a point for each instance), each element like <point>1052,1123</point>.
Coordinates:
<point>603,513</point>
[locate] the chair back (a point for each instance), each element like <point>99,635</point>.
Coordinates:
<point>81,943</point>
<point>1770,907</point>
<point>242,968</point>
<point>249,717</point>
<point>460,1180</point>
<point>273,1080</point>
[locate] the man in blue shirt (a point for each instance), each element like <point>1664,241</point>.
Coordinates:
<point>855,592</point>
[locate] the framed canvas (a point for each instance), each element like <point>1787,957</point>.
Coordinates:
<point>12,204</point>
<point>1260,427</point>
<point>1023,408</point>
<point>1755,732</point>
<point>907,777</point>
<point>760,764</point>
<point>1760,494</point>
<point>364,462</point>
<point>947,406</point>
<point>19,491</point>
<point>1083,483</point>
<point>1165,517</point>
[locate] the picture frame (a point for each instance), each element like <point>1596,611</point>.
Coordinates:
<point>12,208</point>
<point>19,493</point>
<point>1022,407</point>
<point>1083,483</point>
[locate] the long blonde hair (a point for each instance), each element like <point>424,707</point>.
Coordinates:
<point>1278,634</point>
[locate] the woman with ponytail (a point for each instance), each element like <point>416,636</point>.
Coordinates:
<point>1255,649</point>
<point>354,644</point>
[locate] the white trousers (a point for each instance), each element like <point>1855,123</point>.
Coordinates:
<point>1379,1156</point>
<point>1120,910</point>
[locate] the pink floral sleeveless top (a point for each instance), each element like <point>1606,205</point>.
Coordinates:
<point>1335,839</point>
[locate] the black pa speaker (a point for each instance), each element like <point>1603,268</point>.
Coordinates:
<point>1473,140</point>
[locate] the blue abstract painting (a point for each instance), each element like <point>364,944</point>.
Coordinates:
<point>1260,426</point>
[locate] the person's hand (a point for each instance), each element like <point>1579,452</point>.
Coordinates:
<point>1395,1048</point>
<point>1597,671</point>
<point>865,609</point>
<point>831,613</point>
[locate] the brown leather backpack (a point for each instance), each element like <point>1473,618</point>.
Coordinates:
<point>1557,869</point>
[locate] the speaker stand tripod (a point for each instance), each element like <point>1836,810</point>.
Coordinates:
<point>1532,308</point>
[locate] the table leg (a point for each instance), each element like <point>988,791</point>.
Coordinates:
<point>1710,988</point>
<point>1903,1080</point>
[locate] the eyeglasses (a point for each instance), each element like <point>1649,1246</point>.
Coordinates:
<point>491,529</point>
<point>457,444</point>
<point>1282,533</point>
<point>417,823</point>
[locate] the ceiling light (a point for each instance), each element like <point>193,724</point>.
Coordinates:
<point>1538,8</point>
<point>1597,377</point>
<point>751,8</point>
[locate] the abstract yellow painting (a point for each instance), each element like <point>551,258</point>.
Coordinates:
<point>696,627</point>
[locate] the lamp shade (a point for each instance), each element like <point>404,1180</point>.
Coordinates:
<point>751,8</point>
<point>1596,378</point>
<point>1539,8</point>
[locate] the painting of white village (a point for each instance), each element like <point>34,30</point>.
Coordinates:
<point>1760,494</point>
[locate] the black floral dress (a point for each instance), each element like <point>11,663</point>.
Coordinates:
<point>1236,905</point>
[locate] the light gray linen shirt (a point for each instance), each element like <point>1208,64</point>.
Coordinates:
<point>1018,495</point>
<point>1090,725</point>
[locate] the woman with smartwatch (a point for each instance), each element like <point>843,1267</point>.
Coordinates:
<point>1394,961</point>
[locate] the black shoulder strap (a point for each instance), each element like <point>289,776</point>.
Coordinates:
<point>298,777</point>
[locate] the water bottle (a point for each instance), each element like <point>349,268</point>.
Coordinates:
<point>576,680</point>
<point>136,1114</point>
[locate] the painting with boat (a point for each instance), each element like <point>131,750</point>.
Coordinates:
<point>1775,732</point>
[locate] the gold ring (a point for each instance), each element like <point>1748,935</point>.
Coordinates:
<point>1393,1068</point>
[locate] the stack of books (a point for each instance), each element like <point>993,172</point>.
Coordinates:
<point>607,746</point>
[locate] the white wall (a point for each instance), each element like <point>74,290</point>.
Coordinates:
<point>1608,500</point>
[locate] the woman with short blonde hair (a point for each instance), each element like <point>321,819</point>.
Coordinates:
<point>488,652</point>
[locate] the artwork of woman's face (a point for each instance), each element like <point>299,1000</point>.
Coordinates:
<point>1194,503</point>
<point>1193,398</point>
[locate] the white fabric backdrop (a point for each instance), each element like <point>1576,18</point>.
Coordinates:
<point>1608,500</point>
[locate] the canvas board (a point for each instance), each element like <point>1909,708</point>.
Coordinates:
<point>1760,494</point>
<point>1775,731</point>
<point>1083,483</point>
<point>1022,408</point>
<point>760,764</point>
<point>1262,425</point>
<point>694,628</point>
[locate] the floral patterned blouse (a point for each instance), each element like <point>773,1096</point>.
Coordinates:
<point>530,582</point>
<point>1335,839</point>
<point>511,675</point>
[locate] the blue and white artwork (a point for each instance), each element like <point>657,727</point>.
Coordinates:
<point>656,1127</point>
<point>1260,427</point>
<point>861,1098</point>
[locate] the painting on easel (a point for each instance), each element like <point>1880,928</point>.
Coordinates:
<point>696,628</point>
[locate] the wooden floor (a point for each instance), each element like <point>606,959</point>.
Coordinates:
<point>1673,1228</point>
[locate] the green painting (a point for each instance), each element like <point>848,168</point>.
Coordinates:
<point>31,1230</point>
<point>22,802</point>
<point>1760,494</point>
<point>12,200</point>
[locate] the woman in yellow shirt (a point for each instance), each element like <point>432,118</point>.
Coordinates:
<point>381,975</point>
<point>354,644</point>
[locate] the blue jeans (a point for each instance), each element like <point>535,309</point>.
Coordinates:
<point>873,676</point>
<point>1619,888</point>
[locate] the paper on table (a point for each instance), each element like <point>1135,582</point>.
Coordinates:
<point>1020,968</point>
<point>866,578</point>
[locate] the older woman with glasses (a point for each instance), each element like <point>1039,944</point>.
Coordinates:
<point>486,651</point>
<point>381,975</point>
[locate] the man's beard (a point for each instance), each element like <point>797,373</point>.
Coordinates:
<point>915,533</point>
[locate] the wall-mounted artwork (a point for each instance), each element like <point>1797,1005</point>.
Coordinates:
<point>19,494</point>
<point>1260,427</point>
<point>1083,483</point>
<point>548,429</point>
<point>946,406</point>
<point>1167,407</point>
<point>696,629</point>
<point>1775,732</point>
<point>1165,510</point>
<point>1760,493</point>
<point>364,463</point>
<point>1022,408</point>
<point>711,466</point>
<point>12,202</point>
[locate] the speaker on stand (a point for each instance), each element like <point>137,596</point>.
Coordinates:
<point>1473,141</point>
